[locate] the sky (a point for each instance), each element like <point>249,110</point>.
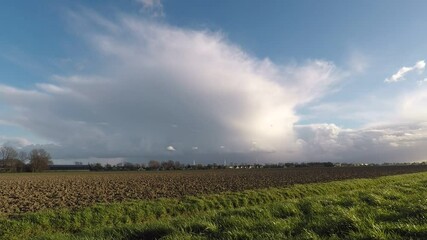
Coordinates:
<point>208,81</point>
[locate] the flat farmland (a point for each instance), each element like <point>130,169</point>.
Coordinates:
<point>20,193</point>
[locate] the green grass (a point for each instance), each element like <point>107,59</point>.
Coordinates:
<point>393,207</point>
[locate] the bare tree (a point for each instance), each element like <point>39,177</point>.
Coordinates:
<point>8,153</point>
<point>153,164</point>
<point>39,160</point>
<point>23,156</point>
<point>9,159</point>
<point>168,165</point>
<point>3,156</point>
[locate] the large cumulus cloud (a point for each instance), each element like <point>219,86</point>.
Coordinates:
<point>152,90</point>
<point>153,86</point>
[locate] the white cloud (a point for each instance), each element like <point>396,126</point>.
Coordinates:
<point>149,76</point>
<point>50,88</point>
<point>412,105</point>
<point>383,143</point>
<point>420,65</point>
<point>15,142</point>
<point>400,75</point>
<point>171,148</point>
<point>152,7</point>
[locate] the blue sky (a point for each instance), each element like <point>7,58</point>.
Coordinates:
<point>283,31</point>
<point>328,59</point>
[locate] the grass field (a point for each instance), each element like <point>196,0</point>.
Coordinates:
<point>391,207</point>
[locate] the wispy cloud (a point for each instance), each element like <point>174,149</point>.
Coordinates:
<point>152,7</point>
<point>402,72</point>
<point>17,142</point>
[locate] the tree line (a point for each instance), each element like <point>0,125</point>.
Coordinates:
<point>153,165</point>
<point>36,160</point>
